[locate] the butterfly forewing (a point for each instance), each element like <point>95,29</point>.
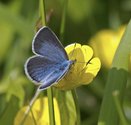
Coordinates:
<point>45,43</point>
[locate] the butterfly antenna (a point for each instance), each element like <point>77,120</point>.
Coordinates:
<point>30,106</point>
<point>95,68</point>
<point>88,62</point>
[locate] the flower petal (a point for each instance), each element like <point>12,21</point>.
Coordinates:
<point>75,52</point>
<point>84,69</point>
<point>87,52</point>
<point>105,43</point>
<point>40,112</point>
<point>91,70</point>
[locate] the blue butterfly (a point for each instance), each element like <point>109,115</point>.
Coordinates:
<point>50,62</point>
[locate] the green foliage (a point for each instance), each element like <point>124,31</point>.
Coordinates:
<point>117,80</point>
<point>65,99</point>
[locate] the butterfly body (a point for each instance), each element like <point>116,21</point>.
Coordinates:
<point>50,63</point>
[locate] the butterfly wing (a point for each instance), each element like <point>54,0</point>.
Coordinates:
<point>46,43</point>
<point>43,71</point>
<point>37,68</point>
<point>54,77</point>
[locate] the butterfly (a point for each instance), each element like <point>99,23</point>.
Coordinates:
<point>50,62</point>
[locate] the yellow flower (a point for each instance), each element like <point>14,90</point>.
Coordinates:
<point>40,112</point>
<point>83,70</point>
<point>105,43</point>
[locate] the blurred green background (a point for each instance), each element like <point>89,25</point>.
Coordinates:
<point>18,20</point>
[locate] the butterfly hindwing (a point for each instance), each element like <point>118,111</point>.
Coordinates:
<point>38,67</point>
<point>44,71</point>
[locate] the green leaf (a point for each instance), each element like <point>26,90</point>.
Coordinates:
<point>117,80</point>
<point>66,107</point>
<point>10,111</point>
<point>13,86</point>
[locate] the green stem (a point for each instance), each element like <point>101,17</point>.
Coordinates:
<point>49,90</point>
<point>119,108</point>
<point>114,15</point>
<point>62,30</point>
<point>51,106</point>
<point>42,12</point>
<point>63,20</point>
<point>73,91</point>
